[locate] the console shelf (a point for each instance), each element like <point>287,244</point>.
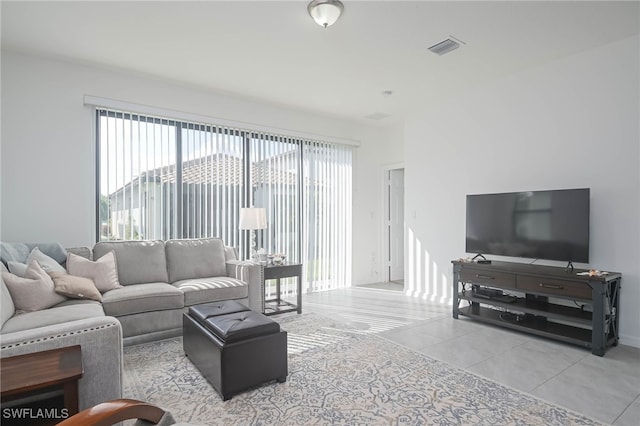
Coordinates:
<point>539,301</point>
<point>569,334</point>
<point>549,310</point>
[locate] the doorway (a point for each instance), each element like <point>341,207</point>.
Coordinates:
<point>395,226</point>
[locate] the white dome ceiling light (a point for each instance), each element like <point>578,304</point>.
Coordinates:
<point>325,12</point>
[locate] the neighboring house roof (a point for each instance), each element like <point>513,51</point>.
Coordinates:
<point>217,169</point>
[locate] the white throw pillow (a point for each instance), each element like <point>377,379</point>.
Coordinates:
<point>103,271</point>
<point>34,291</point>
<point>47,263</point>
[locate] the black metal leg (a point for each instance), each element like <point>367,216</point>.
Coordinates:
<point>299,283</point>
<point>456,300</point>
<point>277,304</point>
<point>598,332</point>
<point>615,303</point>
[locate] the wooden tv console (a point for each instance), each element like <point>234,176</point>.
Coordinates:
<point>583,310</point>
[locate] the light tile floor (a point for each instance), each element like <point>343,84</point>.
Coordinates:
<point>389,285</point>
<point>604,388</point>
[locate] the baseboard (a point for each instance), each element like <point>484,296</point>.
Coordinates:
<point>630,341</point>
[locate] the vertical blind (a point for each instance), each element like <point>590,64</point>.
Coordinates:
<point>162,178</point>
<point>212,181</point>
<point>275,178</point>
<point>136,177</point>
<point>327,215</point>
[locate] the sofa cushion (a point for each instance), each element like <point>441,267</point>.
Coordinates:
<point>103,272</point>
<point>203,290</point>
<point>63,312</point>
<point>34,291</point>
<point>138,261</point>
<point>199,258</point>
<point>230,253</point>
<point>137,298</point>
<point>7,308</point>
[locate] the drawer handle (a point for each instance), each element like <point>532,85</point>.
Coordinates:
<point>557,287</point>
<point>486,277</point>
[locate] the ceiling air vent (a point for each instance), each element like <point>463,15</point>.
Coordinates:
<point>445,46</point>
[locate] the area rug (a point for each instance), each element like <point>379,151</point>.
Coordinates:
<point>338,375</point>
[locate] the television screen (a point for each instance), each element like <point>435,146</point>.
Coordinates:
<point>552,225</point>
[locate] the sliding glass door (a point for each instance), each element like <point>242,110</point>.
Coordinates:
<point>160,178</point>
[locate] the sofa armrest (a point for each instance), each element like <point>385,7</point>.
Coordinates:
<point>100,339</point>
<point>251,273</point>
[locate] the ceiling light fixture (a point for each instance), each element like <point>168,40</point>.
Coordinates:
<point>325,12</point>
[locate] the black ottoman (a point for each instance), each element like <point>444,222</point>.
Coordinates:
<point>234,347</point>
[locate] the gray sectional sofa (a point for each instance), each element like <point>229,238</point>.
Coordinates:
<point>159,281</point>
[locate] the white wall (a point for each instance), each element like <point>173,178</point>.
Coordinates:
<point>368,200</point>
<point>48,162</point>
<point>572,123</point>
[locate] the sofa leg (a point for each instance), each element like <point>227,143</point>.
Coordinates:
<point>281,379</point>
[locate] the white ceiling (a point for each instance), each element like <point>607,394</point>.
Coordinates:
<point>272,51</point>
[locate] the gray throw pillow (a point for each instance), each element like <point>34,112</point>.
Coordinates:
<point>19,252</point>
<point>16,252</point>
<point>54,250</point>
<point>17,268</point>
<point>46,262</point>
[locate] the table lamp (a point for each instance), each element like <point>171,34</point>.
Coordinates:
<point>252,218</point>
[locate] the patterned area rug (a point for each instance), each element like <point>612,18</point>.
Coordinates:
<point>338,375</point>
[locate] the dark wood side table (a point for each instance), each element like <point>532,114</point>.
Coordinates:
<point>38,371</point>
<point>277,272</point>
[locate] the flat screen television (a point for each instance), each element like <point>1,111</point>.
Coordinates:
<point>551,225</point>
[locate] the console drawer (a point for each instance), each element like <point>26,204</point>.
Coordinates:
<point>489,278</point>
<point>564,288</point>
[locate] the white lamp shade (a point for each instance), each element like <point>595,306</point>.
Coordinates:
<point>253,218</point>
<point>325,12</point>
